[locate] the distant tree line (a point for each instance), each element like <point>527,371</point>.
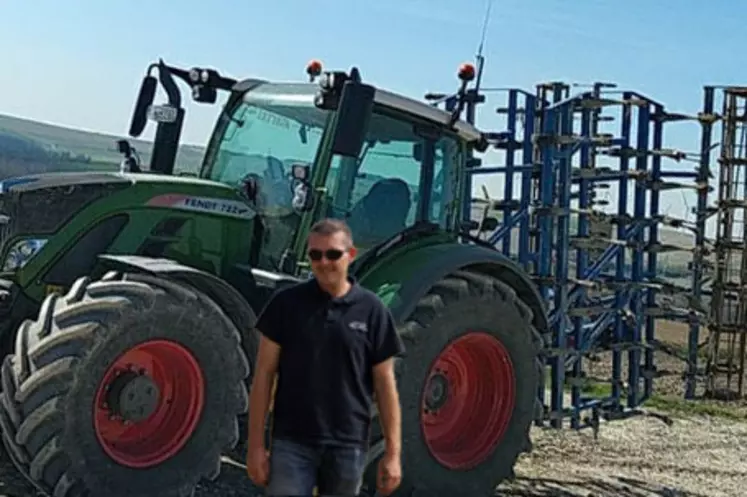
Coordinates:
<point>18,148</point>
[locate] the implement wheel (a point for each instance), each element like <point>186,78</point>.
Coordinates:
<point>468,388</point>
<point>124,386</point>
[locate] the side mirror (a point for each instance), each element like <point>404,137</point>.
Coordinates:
<point>302,200</point>
<point>354,114</point>
<point>144,100</point>
<point>300,172</point>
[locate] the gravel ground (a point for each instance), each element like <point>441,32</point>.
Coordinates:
<point>664,455</point>
<point>233,482</point>
<point>640,457</point>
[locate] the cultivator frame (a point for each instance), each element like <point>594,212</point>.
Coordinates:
<point>727,342</point>
<point>603,289</point>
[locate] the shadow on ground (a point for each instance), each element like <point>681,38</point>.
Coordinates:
<point>590,487</point>
<point>233,482</point>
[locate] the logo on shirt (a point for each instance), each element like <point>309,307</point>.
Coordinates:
<point>358,326</point>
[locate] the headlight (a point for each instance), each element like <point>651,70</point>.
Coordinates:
<point>21,252</point>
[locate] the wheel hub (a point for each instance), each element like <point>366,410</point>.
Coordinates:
<point>468,400</point>
<point>133,397</point>
<point>149,403</point>
<point>437,392</point>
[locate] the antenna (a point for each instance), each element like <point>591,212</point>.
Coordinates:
<point>480,58</point>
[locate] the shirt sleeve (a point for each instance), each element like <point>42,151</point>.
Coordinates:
<point>386,341</point>
<point>270,321</point>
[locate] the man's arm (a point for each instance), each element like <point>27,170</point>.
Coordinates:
<point>387,400</point>
<point>387,345</point>
<point>270,326</point>
<point>266,368</point>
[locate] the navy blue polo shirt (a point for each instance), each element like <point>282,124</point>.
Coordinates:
<point>328,349</point>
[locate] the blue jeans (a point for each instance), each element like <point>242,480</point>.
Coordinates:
<point>295,469</point>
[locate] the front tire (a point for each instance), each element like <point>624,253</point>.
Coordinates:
<point>125,386</point>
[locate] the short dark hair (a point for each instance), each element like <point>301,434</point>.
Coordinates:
<point>330,226</point>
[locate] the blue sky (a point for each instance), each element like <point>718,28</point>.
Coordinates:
<point>78,63</point>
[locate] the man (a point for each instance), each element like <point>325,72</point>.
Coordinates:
<point>331,343</point>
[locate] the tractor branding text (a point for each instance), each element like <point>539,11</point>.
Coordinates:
<point>233,208</point>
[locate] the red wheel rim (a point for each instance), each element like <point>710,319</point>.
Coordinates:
<point>150,429</point>
<point>468,401</point>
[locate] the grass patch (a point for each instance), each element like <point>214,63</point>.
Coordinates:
<point>697,407</point>
<point>673,405</point>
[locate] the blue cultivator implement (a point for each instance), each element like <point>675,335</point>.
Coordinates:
<point>598,264</point>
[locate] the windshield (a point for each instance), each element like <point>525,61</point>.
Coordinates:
<point>276,127</point>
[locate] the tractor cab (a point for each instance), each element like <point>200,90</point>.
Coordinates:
<point>329,147</point>
<point>301,151</point>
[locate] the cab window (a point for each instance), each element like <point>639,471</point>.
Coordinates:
<point>403,176</point>
<point>275,127</point>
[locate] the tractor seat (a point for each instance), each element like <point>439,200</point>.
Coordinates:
<point>381,212</point>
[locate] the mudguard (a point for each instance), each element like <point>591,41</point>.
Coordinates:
<point>225,295</point>
<point>413,272</point>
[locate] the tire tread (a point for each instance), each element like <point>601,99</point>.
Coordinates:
<point>37,378</point>
<point>484,290</point>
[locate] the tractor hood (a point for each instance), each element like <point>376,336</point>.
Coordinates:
<point>57,180</point>
<point>42,204</point>
<point>46,181</point>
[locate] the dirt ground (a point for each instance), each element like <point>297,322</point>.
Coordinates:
<point>696,456</point>
<point>675,449</point>
<point>685,452</point>
<point>639,457</point>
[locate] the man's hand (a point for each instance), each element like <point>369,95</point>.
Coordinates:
<point>390,417</point>
<point>261,391</point>
<point>389,475</point>
<point>257,457</point>
<point>258,466</point>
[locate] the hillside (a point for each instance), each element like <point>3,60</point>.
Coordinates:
<point>28,146</point>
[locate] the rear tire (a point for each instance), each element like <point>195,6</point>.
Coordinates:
<point>475,438</point>
<point>53,408</point>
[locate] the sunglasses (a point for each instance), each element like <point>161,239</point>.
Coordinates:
<point>330,254</point>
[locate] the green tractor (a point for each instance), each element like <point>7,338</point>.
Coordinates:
<point>128,300</point>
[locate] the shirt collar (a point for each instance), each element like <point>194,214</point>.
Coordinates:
<point>348,298</point>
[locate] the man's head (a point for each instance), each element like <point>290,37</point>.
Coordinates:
<point>330,250</point>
